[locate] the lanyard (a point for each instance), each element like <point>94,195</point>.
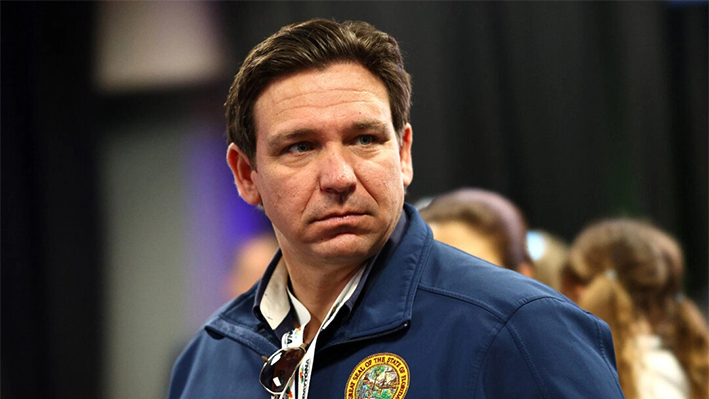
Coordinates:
<point>301,384</point>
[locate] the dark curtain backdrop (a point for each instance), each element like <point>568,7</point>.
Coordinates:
<point>574,110</point>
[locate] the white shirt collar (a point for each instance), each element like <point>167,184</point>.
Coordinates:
<point>275,305</point>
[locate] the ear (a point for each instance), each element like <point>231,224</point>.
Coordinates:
<point>407,166</point>
<point>243,174</point>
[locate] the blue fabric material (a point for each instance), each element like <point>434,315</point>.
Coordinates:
<point>377,260</point>
<point>466,328</point>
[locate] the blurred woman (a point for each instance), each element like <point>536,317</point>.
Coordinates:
<point>629,273</point>
<point>482,223</point>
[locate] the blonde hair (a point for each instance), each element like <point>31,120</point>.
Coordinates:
<point>634,272</point>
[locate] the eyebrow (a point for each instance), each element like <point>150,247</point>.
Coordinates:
<point>275,142</point>
<point>369,125</point>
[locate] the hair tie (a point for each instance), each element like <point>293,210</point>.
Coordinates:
<point>611,274</point>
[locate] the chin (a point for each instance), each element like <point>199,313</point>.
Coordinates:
<point>347,250</point>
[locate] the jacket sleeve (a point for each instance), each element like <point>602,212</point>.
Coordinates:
<point>182,369</point>
<point>550,348</point>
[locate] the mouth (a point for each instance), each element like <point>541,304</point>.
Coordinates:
<point>342,218</point>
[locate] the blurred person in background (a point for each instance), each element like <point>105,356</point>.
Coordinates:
<point>548,252</point>
<point>482,223</point>
<point>250,263</point>
<point>629,273</point>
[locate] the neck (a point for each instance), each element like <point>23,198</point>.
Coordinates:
<point>317,288</point>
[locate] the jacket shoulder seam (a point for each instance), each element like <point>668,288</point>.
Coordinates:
<point>500,315</point>
<point>505,325</point>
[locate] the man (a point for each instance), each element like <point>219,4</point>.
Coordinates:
<point>360,301</point>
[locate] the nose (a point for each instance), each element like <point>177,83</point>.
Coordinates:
<point>337,176</point>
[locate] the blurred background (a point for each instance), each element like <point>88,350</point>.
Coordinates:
<point>120,221</point>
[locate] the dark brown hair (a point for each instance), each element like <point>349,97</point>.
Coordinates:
<point>315,44</point>
<point>488,213</point>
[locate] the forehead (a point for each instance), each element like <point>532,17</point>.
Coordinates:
<point>342,90</point>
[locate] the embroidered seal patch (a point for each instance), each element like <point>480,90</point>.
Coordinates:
<point>380,376</point>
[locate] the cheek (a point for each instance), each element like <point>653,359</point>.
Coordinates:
<point>384,182</point>
<point>268,188</point>
<point>285,194</point>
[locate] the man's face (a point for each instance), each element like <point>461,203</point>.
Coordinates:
<point>330,172</point>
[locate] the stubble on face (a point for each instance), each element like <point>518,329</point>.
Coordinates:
<point>329,169</point>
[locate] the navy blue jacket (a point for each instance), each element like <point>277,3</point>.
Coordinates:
<point>463,327</point>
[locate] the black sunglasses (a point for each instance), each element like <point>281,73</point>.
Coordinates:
<point>278,370</point>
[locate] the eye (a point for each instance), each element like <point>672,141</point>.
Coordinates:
<point>366,139</point>
<point>299,147</point>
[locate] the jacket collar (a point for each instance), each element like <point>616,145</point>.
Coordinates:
<point>384,303</point>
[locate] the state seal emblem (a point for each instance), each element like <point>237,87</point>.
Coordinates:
<point>380,376</point>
